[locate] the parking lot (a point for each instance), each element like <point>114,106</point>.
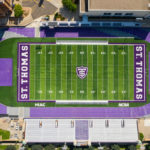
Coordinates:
<point>15,126</point>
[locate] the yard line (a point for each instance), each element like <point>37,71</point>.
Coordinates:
<point>34,70</point>
<point>123,74</point>
<point>87,74</point>
<point>108,72</point>
<point>55,69</point>
<point>76,66</point>
<point>92,70</point>
<point>71,74</point>
<point>102,73</point>
<point>66,72</point>
<point>128,73</point>
<point>45,73</point>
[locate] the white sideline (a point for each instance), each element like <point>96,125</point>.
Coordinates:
<point>82,102</point>
<point>81,42</point>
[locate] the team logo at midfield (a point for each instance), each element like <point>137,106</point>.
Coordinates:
<point>82,72</point>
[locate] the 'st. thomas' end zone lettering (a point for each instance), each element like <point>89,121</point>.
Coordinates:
<point>23,77</point>
<point>139,72</point>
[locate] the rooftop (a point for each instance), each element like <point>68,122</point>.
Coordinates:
<point>70,130</point>
<point>115,4</point>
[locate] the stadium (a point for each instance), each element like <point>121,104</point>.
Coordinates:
<point>59,84</point>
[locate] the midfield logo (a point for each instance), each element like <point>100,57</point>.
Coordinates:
<point>82,72</point>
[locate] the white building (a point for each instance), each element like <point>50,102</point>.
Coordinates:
<point>81,131</point>
<point>118,8</point>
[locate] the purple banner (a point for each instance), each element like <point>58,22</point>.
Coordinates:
<point>139,72</point>
<point>23,73</point>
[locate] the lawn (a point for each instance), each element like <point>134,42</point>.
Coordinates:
<point>5,134</point>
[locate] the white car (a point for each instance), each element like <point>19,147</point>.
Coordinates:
<point>17,127</point>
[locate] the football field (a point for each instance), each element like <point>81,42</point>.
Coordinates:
<point>82,72</point>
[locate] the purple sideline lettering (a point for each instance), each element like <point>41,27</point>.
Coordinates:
<point>24,73</point>
<point>139,72</point>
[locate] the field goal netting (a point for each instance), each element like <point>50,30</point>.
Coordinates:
<point>82,42</point>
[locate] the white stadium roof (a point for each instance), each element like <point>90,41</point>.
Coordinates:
<point>77,130</point>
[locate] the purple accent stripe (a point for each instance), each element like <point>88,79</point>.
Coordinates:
<point>89,112</point>
<point>3,109</point>
<point>81,130</point>
<point>6,66</point>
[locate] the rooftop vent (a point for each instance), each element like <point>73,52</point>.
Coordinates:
<point>56,124</point>
<point>122,123</point>
<point>91,123</point>
<point>72,124</point>
<point>106,123</point>
<point>40,124</point>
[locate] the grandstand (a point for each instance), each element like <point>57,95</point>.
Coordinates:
<point>81,131</point>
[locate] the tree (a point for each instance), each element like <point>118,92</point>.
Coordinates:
<point>115,147</point>
<point>141,136</point>
<point>147,147</point>
<point>69,5</point>
<point>105,147</point>
<point>36,147</point>
<point>18,10</point>
<point>132,147</point>
<point>50,147</point>
<point>10,147</point>
<point>91,148</point>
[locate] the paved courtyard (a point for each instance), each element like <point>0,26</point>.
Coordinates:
<point>46,8</point>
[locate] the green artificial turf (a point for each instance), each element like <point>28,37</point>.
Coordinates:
<point>8,95</point>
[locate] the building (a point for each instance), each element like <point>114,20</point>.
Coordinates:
<point>115,8</point>
<point>81,131</point>
<point>5,7</point>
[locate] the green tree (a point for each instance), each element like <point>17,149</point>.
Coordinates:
<point>50,147</point>
<point>105,147</point>
<point>115,147</point>
<point>18,10</point>
<point>36,147</point>
<point>91,148</point>
<point>69,5</point>
<point>10,147</point>
<point>132,147</point>
<point>141,136</point>
<point>147,147</point>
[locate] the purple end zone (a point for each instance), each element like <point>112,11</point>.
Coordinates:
<point>23,72</point>
<point>6,72</point>
<point>139,73</point>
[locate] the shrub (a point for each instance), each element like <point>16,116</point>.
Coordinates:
<point>36,147</point>
<point>115,147</point>
<point>141,136</point>
<point>10,147</point>
<point>69,5</point>
<point>132,147</point>
<point>147,147</point>
<point>18,10</point>
<point>50,147</point>
<point>5,134</point>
